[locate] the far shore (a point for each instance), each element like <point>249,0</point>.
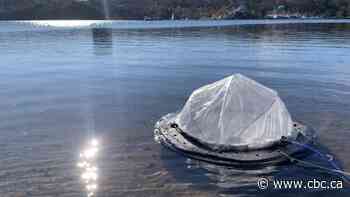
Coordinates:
<point>204,19</point>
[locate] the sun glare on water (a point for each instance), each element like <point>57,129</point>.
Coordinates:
<point>65,23</point>
<point>88,166</point>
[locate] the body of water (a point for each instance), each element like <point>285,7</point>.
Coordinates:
<point>79,100</point>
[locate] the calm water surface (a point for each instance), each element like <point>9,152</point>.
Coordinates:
<point>79,100</point>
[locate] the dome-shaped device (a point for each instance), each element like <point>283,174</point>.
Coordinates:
<point>234,120</point>
<point>235,111</point>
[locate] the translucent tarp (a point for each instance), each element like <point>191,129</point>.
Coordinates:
<point>235,111</point>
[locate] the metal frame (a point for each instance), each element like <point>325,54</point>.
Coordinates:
<point>172,137</point>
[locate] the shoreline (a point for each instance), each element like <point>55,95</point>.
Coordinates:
<point>187,19</point>
<point>207,19</point>
<point>160,24</point>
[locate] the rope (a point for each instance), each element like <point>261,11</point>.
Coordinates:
<point>315,165</point>
<point>315,151</point>
<point>343,174</point>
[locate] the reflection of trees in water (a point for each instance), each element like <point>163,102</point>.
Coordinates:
<point>280,32</point>
<point>103,41</point>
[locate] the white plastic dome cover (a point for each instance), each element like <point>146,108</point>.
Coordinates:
<point>235,111</point>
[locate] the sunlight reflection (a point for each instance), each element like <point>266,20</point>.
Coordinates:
<point>87,163</point>
<point>65,23</point>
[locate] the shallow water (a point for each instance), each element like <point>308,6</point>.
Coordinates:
<point>66,83</point>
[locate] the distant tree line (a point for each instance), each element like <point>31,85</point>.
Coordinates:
<point>323,8</point>
<point>166,9</point>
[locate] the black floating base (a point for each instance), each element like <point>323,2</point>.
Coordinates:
<point>171,138</point>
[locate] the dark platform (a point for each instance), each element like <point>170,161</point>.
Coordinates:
<point>174,138</point>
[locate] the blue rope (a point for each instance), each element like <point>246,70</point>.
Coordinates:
<point>322,156</point>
